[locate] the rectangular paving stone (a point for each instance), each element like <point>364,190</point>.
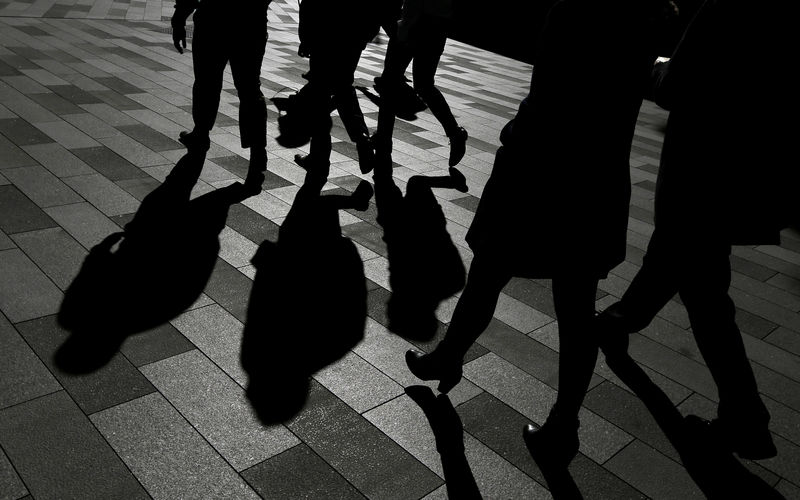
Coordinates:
<point>12,156</point>
<point>251,225</point>
<point>298,473</point>
<point>55,104</point>
<point>218,409</point>
<point>25,292</point>
<point>785,339</point>
<point>154,345</point>
<point>5,242</point>
<point>133,151</point>
<point>365,456</point>
<point>22,133</point>
<point>41,186</point>
<point>653,473</point>
<point>358,383</point>
<point>19,214</point>
<point>115,382</point>
<point>22,375</point>
<point>59,454</point>
<point>103,194</point>
<point>519,315</point>
<point>235,249</point>
<point>10,484</point>
<point>230,289</point>
<point>83,222</point>
<point>89,124</point>
<point>74,94</point>
<point>109,163</point>
<point>150,138</point>
<point>110,115</point>
<point>67,135</point>
<point>218,334</point>
<point>55,252</point>
<point>58,160</point>
<point>600,439</point>
<point>168,457</point>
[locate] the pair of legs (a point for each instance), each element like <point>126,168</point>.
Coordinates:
<point>242,46</point>
<point>699,271</point>
<point>425,54</point>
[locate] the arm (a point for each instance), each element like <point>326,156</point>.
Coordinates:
<point>183,9</point>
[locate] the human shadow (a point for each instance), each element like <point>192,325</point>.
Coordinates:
<point>424,264</point>
<point>149,273</point>
<point>407,104</point>
<point>714,469</point>
<point>449,433</point>
<point>559,480</point>
<point>308,305</point>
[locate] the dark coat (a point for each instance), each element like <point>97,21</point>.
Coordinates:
<point>557,202</point>
<point>725,174</point>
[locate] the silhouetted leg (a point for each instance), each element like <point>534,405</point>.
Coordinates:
<point>398,57</point>
<point>475,308</point>
<point>246,70</point>
<point>319,94</point>
<point>209,56</point>
<point>574,299</point>
<point>704,291</point>
<point>426,61</point>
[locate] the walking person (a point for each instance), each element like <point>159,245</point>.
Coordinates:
<point>555,207</point>
<point>725,179</point>
<point>226,34</point>
<point>419,36</point>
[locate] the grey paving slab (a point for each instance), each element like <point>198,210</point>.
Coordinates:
<point>106,196</point>
<point>110,115</point>
<point>5,241</point>
<point>230,289</point>
<point>22,375</point>
<point>358,383</point>
<point>55,252</point>
<point>653,473</point>
<point>90,125</point>
<point>114,382</point>
<point>59,454</point>
<point>169,457</point>
<point>25,292</point>
<point>65,134</point>
<point>154,345</point>
<point>11,487</point>
<point>109,164</point>
<point>41,186</point>
<point>298,473</point>
<point>58,160</point>
<point>785,339</point>
<point>18,213</point>
<point>133,151</point>
<point>55,104</point>
<point>218,334</point>
<point>218,409</point>
<point>83,222</point>
<point>366,457</point>
<point>152,139</point>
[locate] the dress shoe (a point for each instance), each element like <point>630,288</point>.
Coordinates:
<point>366,155</point>
<point>362,195</point>
<point>554,444</point>
<point>194,142</point>
<point>459,181</point>
<point>433,367</point>
<point>458,146</point>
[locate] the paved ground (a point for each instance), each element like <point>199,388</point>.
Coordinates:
<point>92,97</point>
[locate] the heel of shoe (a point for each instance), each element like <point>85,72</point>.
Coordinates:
<point>446,384</point>
<point>424,367</point>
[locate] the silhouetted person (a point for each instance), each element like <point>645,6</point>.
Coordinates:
<point>308,305</point>
<point>724,180</point>
<point>425,267</point>
<point>555,207</point>
<point>420,36</point>
<point>333,33</point>
<point>162,264</point>
<point>227,33</point>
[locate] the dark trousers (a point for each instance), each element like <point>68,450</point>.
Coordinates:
<point>425,53</point>
<point>217,43</point>
<point>700,272</point>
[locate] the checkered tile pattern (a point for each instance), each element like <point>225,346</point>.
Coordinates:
<point>92,97</point>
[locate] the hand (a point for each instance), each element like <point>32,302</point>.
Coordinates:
<point>179,35</point>
<point>303,50</point>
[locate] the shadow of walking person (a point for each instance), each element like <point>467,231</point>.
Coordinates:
<point>424,264</point>
<point>308,305</point>
<point>161,265</point>
<point>449,433</point>
<point>715,469</point>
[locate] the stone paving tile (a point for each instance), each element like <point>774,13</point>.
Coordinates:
<point>10,483</point>
<point>25,292</point>
<point>83,222</point>
<point>185,466</point>
<point>18,213</point>
<point>358,383</point>
<point>22,375</point>
<point>218,409</point>
<point>58,160</point>
<point>116,382</point>
<point>59,454</point>
<point>109,164</point>
<point>42,187</point>
<point>55,252</point>
<point>785,339</point>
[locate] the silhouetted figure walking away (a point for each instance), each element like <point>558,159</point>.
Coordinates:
<point>162,264</point>
<point>420,36</point>
<point>333,33</point>
<point>556,209</point>
<point>308,306</point>
<point>227,33</point>
<point>425,267</point>
<point>725,179</point>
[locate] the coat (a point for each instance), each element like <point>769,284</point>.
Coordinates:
<point>725,173</point>
<point>557,200</point>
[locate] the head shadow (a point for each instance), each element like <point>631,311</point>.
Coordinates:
<point>147,274</point>
<point>308,305</point>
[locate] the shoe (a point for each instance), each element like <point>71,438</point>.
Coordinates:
<point>613,331</point>
<point>194,142</point>
<point>362,195</point>
<point>366,155</point>
<point>753,442</point>
<point>430,367</point>
<point>458,146</point>
<point>254,181</point>
<point>459,181</point>
<point>554,444</point>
